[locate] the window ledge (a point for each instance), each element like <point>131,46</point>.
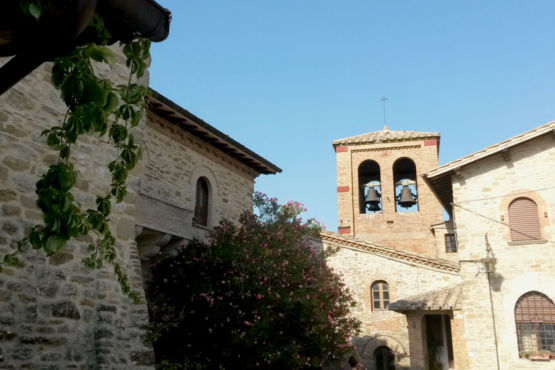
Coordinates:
<point>525,242</point>
<point>199,226</point>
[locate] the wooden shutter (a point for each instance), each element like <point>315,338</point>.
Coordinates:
<point>524,220</point>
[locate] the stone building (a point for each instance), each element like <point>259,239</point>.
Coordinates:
<point>54,312</point>
<point>473,292</point>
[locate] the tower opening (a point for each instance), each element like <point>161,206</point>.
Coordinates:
<point>369,184</point>
<point>406,190</point>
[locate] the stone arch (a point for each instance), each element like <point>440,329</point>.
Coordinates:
<point>198,172</point>
<point>368,349</point>
<point>516,288</point>
<point>536,198</point>
<point>369,179</point>
<point>405,179</point>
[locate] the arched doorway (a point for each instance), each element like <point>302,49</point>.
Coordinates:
<point>384,358</point>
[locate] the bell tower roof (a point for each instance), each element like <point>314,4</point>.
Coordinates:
<point>386,135</point>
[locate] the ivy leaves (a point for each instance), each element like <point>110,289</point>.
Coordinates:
<point>95,107</point>
<point>137,53</point>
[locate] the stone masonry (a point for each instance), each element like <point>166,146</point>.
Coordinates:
<point>485,189</point>
<point>54,312</point>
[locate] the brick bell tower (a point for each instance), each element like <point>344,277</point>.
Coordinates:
<point>381,194</point>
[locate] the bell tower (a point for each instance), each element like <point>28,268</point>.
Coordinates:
<point>381,194</point>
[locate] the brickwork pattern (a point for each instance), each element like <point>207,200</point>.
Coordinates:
<point>407,231</point>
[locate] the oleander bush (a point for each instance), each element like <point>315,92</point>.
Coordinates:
<point>258,294</point>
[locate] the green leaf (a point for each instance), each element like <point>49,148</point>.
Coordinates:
<point>11,260</point>
<point>54,244</point>
<point>34,238</point>
<point>118,133</point>
<point>111,102</point>
<point>52,140</point>
<point>35,10</point>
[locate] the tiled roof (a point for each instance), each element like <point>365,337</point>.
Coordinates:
<point>386,135</point>
<point>387,252</point>
<point>440,178</point>
<point>436,300</point>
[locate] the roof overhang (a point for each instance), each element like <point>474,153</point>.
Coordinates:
<point>440,179</point>
<point>174,114</point>
<point>446,299</point>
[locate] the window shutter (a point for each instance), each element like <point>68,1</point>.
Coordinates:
<point>524,220</point>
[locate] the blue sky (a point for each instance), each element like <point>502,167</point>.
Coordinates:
<point>286,77</point>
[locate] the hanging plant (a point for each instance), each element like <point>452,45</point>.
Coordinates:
<point>93,106</point>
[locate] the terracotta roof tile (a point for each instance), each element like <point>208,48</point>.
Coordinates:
<point>391,253</point>
<point>436,300</point>
<point>386,135</point>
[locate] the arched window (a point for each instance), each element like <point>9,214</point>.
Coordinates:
<point>406,191</point>
<point>535,324</point>
<point>384,358</point>
<point>202,202</point>
<point>380,295</point>
<point>524,220</point>
<point>369,187</point>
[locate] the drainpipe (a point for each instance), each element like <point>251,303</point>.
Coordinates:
<point>489,264</point>
<point>57,29</point>
<point>60,30</point>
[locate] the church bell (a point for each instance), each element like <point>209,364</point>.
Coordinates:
<point>372,200</point>
<point>406,198</point>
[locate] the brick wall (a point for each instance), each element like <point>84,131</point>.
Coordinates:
<point>408,231</point>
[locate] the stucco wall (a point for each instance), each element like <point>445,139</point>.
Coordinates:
<point>485,189</point>
<point>55,313</point>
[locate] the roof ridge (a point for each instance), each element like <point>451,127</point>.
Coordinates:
<point>384,251</point>
<point>385,135</point>
<point>493,148</point>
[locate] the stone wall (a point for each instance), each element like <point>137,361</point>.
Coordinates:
<point>55,313</point>
<point>174,160</point>
<point>485,190</point>
<point>408,231</point>
<point>359,269</point>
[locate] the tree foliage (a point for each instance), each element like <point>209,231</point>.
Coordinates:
<point>256,295</point>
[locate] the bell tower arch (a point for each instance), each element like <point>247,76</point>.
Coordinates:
<point>381,196</point>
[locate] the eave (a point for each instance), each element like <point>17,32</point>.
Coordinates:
<point>180,117</point>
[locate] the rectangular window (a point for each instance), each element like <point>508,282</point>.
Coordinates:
<point>450,243</point>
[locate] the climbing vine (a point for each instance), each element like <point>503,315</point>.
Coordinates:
<point>94,106</point>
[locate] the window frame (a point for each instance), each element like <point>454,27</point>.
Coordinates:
<point>450,240</point>
<point>522,228</point>
<point>201,215</point>
<point>534,316</point>
<point>378,287</point>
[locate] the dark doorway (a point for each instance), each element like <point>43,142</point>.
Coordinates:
<point>384,358</point>
<point>438,342</point>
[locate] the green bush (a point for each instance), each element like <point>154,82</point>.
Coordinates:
<point>257,295</point>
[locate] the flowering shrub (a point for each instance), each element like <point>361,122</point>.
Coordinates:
<point>255,296</point>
